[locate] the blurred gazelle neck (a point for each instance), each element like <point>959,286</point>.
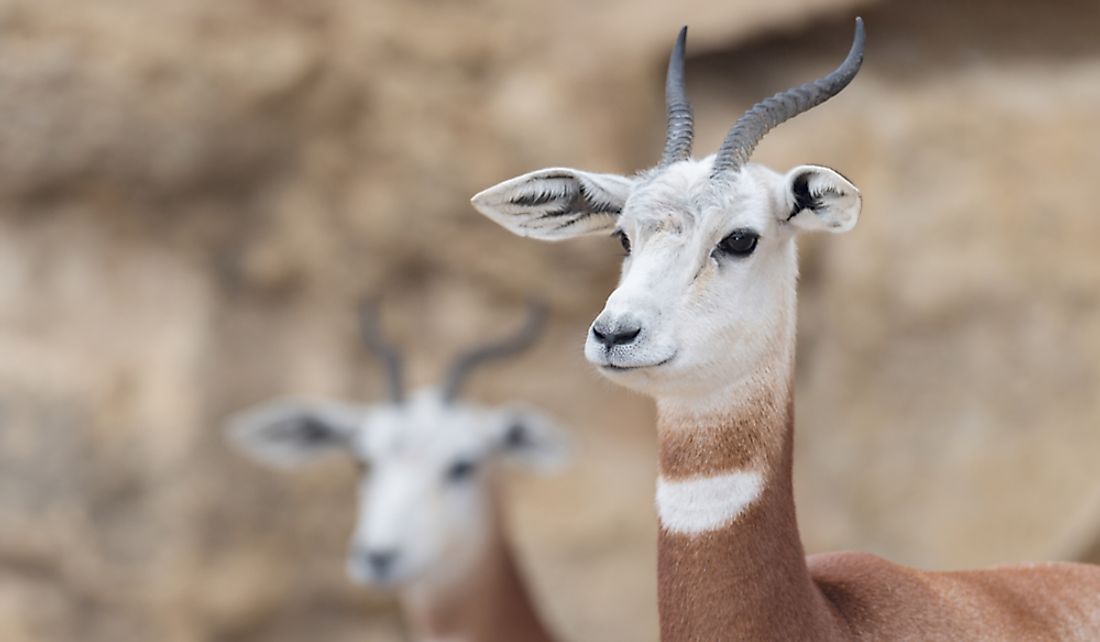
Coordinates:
<point>489,603</point>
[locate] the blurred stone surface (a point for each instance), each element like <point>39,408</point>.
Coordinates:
<point>193,196</point>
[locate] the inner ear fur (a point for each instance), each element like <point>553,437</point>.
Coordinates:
<point>533,439</point>
<point>819,198</point>
<point>288,432</point>
<point>556,203</point>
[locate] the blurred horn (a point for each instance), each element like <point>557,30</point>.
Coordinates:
<point>681,122</point>
<point>771,112</point>
<point>381,349</point>
<point>466,362</point>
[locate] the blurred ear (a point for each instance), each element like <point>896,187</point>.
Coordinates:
<point>288,432</point>
<point>557,203</point>
<point>819,198</point>
<point>531,439</point>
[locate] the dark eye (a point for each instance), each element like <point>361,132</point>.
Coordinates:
<point>461,470</point>
<point>624,240</point>
<point>739,243</point>
<point>516,437</point>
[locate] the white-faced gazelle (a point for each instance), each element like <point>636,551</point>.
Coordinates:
<point>703,320</point>
<point>428,518</point>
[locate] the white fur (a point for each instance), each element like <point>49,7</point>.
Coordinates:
<point>437,528</point>
<point>705,318</point>
<point>701,504</point>
<point>841,201</point>
<point>557,190</point>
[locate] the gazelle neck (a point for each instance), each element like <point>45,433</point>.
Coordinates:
<point>730,560</point>
<point>488,604</point>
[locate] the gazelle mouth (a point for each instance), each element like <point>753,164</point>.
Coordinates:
<point>616,368</point>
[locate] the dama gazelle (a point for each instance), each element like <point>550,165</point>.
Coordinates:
<point>703,319</point>
<point>429,522</point>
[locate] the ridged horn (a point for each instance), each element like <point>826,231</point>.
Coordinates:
<point>680,129</point>
<point>769,113</point>
<point>467,361</point>
<point>382,350</point>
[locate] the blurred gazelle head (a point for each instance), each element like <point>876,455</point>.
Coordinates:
<point>428,462</point>
<point>708,283</point>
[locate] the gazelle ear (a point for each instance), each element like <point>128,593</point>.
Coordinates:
<point>819,198</point>
<point>288,432</point>
<point>531,439</point>
<point>557,203</point>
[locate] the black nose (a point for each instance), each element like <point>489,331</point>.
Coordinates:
<point>381,561</point>
<point>617,334</point>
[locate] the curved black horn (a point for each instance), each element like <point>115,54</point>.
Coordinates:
<point>467,361</point>
<point>381,349</point>
<point>771,112</point>
<point>681,122</point>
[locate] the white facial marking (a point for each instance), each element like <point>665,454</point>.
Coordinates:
<point>690,311</point>
<point>702,315</point>
<point>701,504</point>
<point>408,507</point>
<point>425,509</point>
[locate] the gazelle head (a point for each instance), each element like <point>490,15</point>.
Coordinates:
<point>707,285</point>
<point>428,463</point>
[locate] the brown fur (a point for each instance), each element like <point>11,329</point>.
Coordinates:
<point>691,446</point>
<point>493,606</point>
<point>751,581</point>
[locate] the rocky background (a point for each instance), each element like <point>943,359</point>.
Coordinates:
<point>194,195</point>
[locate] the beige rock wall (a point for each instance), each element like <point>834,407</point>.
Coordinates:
<point>194,194</point>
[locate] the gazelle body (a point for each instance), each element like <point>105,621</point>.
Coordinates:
<point>429,523</point>
<point>703,320</point>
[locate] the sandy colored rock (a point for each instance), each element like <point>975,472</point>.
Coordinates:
<point>193,197</point>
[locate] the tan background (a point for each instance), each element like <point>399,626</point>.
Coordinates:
<point>194,194</point>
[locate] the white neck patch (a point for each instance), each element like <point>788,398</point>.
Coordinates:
<point>701,504</point>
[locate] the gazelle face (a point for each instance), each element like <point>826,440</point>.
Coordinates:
<point>707,287</point>
<point>710,267</point>
<point>425,501</point>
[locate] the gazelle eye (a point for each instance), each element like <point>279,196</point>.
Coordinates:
<point>460,471</point>
<point>739,243</point>
<point>623,239</point>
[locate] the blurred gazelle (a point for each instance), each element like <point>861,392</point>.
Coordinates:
<point>428,517</point>
<point>703,319</point>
